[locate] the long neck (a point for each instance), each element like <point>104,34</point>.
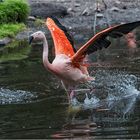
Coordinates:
<point>46,62</point>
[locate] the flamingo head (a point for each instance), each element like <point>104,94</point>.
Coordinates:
<point>37,36</point>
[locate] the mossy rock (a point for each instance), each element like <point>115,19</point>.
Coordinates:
<point>11,29</point>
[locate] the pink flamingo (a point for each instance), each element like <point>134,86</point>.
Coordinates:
<point>131,40</point>
<point>68,64</point>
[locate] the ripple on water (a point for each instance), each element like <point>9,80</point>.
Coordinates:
<point>8,96</point>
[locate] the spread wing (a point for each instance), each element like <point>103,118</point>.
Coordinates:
<point>62,40</point>
<point>100,40</point>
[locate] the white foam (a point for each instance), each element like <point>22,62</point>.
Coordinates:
<point>8,96</point>
<point>120,89</point>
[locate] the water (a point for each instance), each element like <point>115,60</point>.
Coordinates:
<point>33,103</point>
<point>16,96</point>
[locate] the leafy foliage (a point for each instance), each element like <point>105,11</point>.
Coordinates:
<point>13,11</point>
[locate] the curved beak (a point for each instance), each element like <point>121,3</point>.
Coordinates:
<point>30,39</point>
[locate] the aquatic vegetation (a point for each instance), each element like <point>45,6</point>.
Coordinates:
<point>15,51</point>
<point>22,54</point>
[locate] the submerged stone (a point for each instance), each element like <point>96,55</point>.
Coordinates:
<point>5,41</point>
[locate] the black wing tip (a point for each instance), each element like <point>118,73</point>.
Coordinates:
<point>123,29</point>
<point>134,22</point>
<point>98,45</point>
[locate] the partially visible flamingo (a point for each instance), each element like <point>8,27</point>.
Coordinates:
<point>68,64</point>
<point>131,43</point>
<point>131,40</point>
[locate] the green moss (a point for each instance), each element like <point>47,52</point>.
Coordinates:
<point>14,11</point>
<point>39,22</point>
<point>10,30</point>
<point>12,15</point>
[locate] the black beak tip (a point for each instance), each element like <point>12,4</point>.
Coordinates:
<point>30,39</point>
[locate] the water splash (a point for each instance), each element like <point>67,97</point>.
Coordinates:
<point>8,96</point>
<point>112,89</point>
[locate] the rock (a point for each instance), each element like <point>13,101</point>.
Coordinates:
<point>69,10</point>
<point>5,41</point>
<point>75,8</point>
<point>22,35</point>
<point>86,12</point>
<point>100,15</point>
<point>115,9</point>
<point>77,5</point>
<point>117,2</point>
<point>31,18</point>
<point>124,7</point>
<point>44,10</point>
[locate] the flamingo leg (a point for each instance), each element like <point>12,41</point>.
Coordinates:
<point>71,94</point>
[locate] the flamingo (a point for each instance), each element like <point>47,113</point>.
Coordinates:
<point>68,64</point>
<point>131,40</point>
